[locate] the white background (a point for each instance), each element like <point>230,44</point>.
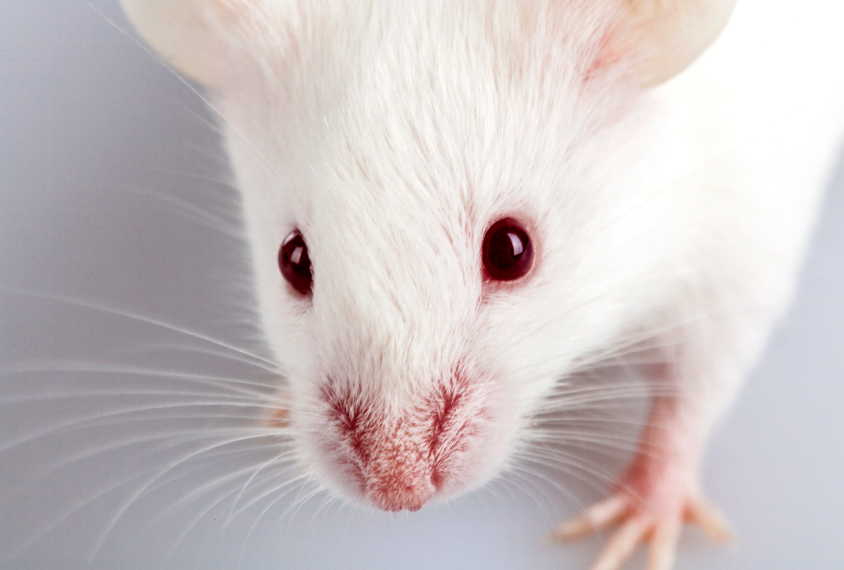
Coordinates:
<point>113,196</point>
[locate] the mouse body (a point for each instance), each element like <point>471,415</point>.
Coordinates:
<point>661,201</point>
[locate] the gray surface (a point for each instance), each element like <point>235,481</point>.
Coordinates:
<point>109,194</point>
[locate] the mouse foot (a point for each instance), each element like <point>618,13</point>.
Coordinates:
<point>637,525</point>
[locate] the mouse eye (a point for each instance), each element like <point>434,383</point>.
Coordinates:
<point>507,251</point>
<point>295,264</point>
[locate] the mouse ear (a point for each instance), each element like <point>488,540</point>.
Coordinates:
<point>187,34</point>
<point>665,36</point>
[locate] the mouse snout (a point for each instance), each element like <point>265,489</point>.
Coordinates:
<point>397,475</point>
<point>400,457</point>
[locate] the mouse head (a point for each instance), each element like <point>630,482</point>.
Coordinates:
<point>427,194</point>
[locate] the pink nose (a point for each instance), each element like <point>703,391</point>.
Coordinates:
<point>399,458</point>
<point>394,483</point>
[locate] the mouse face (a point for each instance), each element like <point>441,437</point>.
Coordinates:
<point>392,150</point>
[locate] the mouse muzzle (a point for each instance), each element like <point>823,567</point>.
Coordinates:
<point>398,451</point>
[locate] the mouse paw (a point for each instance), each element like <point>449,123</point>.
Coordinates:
<point>638,523</point>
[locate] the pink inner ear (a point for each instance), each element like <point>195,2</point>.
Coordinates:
<point>657,39</point>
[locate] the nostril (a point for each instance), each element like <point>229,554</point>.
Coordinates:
<point>398,459</point>
<point>397,502</point>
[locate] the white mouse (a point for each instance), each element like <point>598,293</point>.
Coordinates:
<point>454,206</point>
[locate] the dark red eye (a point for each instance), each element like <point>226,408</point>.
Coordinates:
<point>295,264</point>
<point>508,253</point>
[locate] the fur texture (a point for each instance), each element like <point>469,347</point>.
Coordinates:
<point>668,223</point>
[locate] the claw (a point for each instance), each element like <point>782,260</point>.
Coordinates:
<point>623,543</point>
<point>597,517</point>
<point>710,519</point>
<point>663,548</point>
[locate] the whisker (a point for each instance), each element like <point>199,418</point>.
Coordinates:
<point>174,437</point>
<point>65,515</point>
<point>246,485</point>
<point>261,496</point>
<point>141,490</point>
<point>191,525</point>
<point>217,456</point>
<point>586,441</point>
<point>200,492</point>
<point>540,456</point>
<point>230,384</point>
<point>268,365</point>
<point>78,423</point>
<point>194,213</point>
<point>528,477</point>
<point>296,481</point>
<point>190,349</point>
<point>315,488</point>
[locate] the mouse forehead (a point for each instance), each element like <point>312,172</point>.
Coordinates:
<point>439,94</point>
<point>430,110</point>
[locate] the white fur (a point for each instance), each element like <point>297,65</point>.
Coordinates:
<point>393,135</point>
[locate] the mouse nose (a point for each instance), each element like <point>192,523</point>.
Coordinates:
<point>398,477</point>
<point>398,457</point>
<point>399,492</point>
